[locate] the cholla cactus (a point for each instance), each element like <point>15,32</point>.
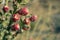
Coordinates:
<point>12,22</point>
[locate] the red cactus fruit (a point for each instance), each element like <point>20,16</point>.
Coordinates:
<point>23,11</point>
<point>16,17</point>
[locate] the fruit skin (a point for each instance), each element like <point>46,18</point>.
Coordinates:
<point>27,21</point>
<point>26,28</point>
<point>23,11</point>
<point>33,18</point>
<point>15,27</point>
<point>16,17</point>
<point>5,8</point>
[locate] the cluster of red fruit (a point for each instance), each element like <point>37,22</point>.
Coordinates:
<point>21,12</point>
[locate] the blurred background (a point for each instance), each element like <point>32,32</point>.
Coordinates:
<point>47,27</point>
